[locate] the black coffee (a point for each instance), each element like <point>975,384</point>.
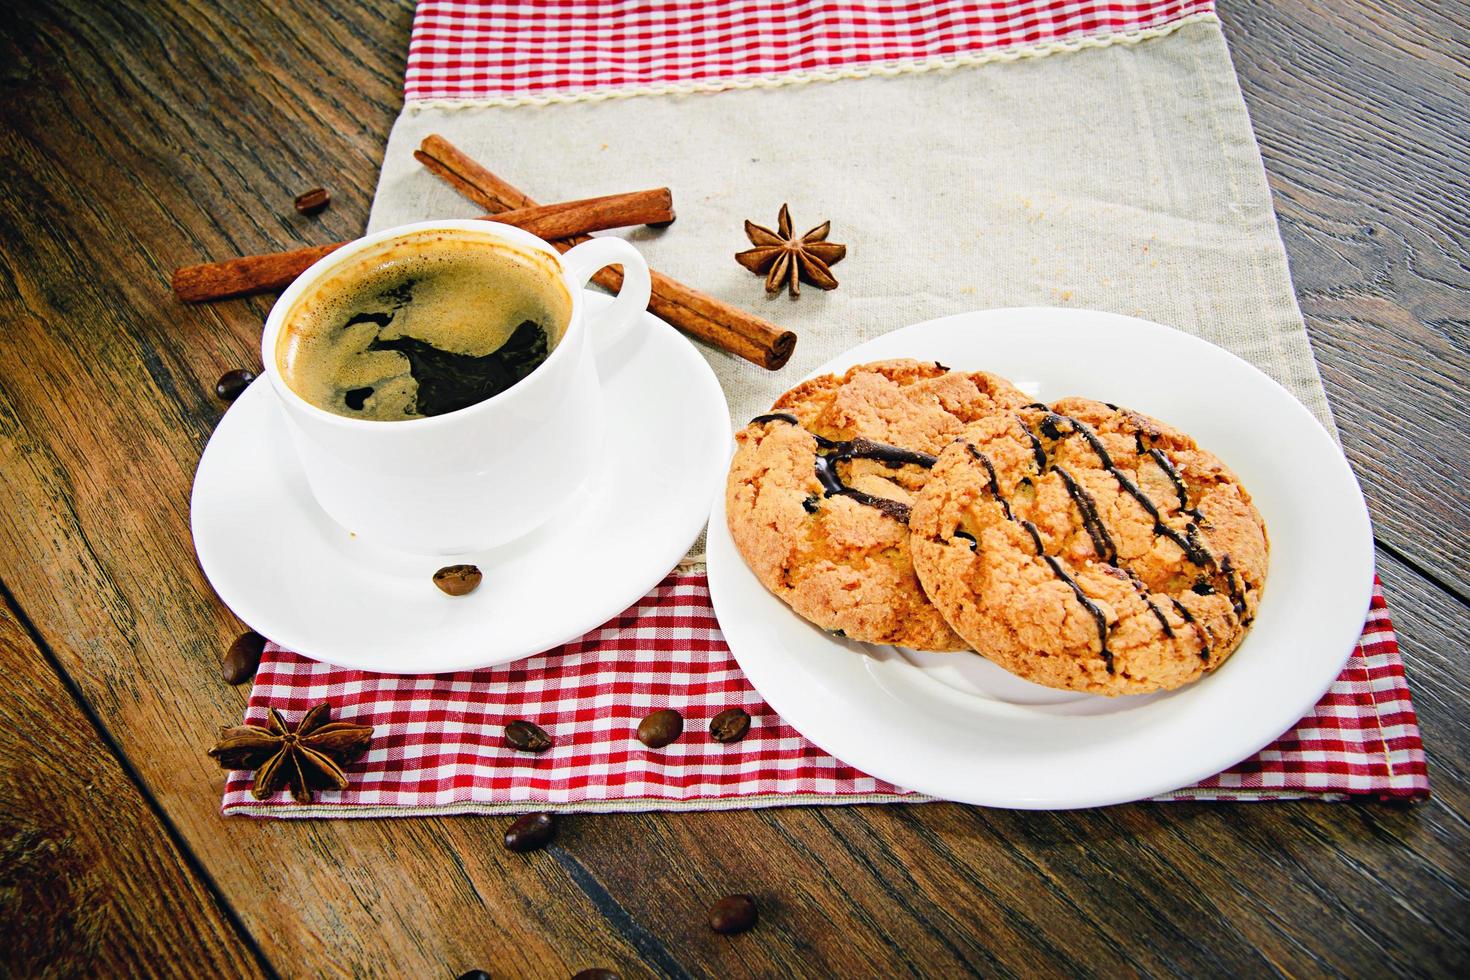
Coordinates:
<point>422,325</point>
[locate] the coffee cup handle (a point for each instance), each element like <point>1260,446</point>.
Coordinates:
<point>583,261</point>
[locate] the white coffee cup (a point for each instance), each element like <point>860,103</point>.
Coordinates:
<point>486,474</point>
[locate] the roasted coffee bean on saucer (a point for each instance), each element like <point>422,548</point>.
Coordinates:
<point>232,384</point>
<point>530,833</point>
<point>733,914</point>
<point>597,973</point>
<point>242,659</point>
<point>458,579</point>
<point>661,728</point>
<point>474,975</point>
<point>527,737</point>
<point>730,725</point>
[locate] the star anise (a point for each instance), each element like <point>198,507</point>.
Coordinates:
<point>307,757</point>
<point>783,258</point>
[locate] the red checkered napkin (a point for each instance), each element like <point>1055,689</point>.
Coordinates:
<point>471,51</point>
<point>438,744</point>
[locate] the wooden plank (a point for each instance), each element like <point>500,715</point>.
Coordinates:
<point>1362,111</point>
<point>130,130</point>
<point>92,882</point>
<point>105,404</point>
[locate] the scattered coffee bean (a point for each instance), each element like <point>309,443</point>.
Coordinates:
<point>232,383</point>
<point>530,833</point>
<point>313,201</point>
<point>242,658</point>
<point>597,973</point>
<point>729,725</point>
<point>458,579</point>
<point>527,737</point>
<point>475,975</point>
<point>661,728</point>
<point>732,914</point>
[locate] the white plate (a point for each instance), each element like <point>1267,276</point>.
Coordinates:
<point>961,728</point>
<point>294,575</point>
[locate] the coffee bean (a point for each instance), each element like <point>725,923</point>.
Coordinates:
<point>242,658</point>
<point>597,973</point>
<point>729,725</point>
<point>732,914</point>
<point>530,833</point>
<point>527,737</point>
<point>232,383</point>
<point>313,201</point>
<point>458,579</point>
<point>661,728</point>
<point>475,975</point>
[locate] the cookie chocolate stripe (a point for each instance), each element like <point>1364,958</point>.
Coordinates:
<point>1102,542</point>
<point>1035,536</point>
<point>1167,465</point>
<point>1164,462</point>
<point>1159,614</point>
<point>1195,552</point>
<point>1204,633</point>
<point>1147,593</point>
<point>832,486</point>
<point>1057,570</point>
<point>1037,449</point>
<point>861,448</point>
<point>831,452</point>
<point>1237,601</point>
<point>1089,605</point>
<point>1005,505</point>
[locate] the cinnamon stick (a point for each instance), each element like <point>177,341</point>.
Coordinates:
<point>698,314</point>
<point>260,273</point>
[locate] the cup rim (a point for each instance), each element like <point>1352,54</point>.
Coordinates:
<point>509,234</point>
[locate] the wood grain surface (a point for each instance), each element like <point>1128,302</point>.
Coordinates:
<point>90,872</point>
<point>1362,112</point>
<point>139,137</point>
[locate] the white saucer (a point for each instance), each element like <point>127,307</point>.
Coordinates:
<point>957,726</point>
<point>295,576</point>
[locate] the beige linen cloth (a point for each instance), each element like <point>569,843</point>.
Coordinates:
<point>1120,176</point>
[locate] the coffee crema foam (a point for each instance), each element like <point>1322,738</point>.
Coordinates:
<point>424,324</point>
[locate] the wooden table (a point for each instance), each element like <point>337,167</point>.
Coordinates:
<point>140,136</point>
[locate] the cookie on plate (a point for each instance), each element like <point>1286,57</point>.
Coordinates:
<point>1089,547</point>
<point>819,492</point>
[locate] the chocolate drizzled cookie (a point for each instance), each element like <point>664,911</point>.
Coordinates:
<point>1088,547</point>
<point>819,493</point>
